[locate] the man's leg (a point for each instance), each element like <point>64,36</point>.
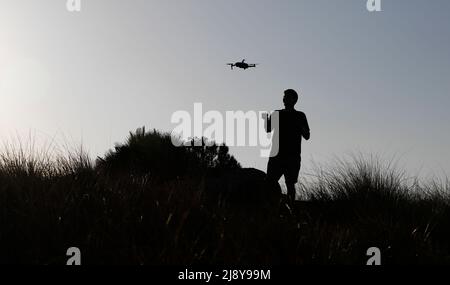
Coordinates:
<point>274,172</point>
<point>290,191</point>
<point>291,178</point>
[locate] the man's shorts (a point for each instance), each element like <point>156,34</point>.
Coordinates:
<point>287,166</point>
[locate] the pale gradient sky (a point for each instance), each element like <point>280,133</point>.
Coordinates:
<point>370,82</point>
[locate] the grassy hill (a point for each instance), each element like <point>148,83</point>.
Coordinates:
<point>147,202</point>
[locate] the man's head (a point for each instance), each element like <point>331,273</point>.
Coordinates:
<point>290,98</point>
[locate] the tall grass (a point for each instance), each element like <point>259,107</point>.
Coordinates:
<point>52,202</point>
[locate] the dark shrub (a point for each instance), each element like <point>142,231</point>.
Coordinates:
<point>154,155</point>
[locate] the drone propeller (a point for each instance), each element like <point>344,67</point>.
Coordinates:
<point>231,64</point>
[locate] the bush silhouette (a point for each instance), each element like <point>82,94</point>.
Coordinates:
<point>153,154</point>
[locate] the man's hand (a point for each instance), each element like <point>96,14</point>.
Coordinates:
<point>267,124</point>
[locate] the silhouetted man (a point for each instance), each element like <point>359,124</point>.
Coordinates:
<point>289,126</point>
